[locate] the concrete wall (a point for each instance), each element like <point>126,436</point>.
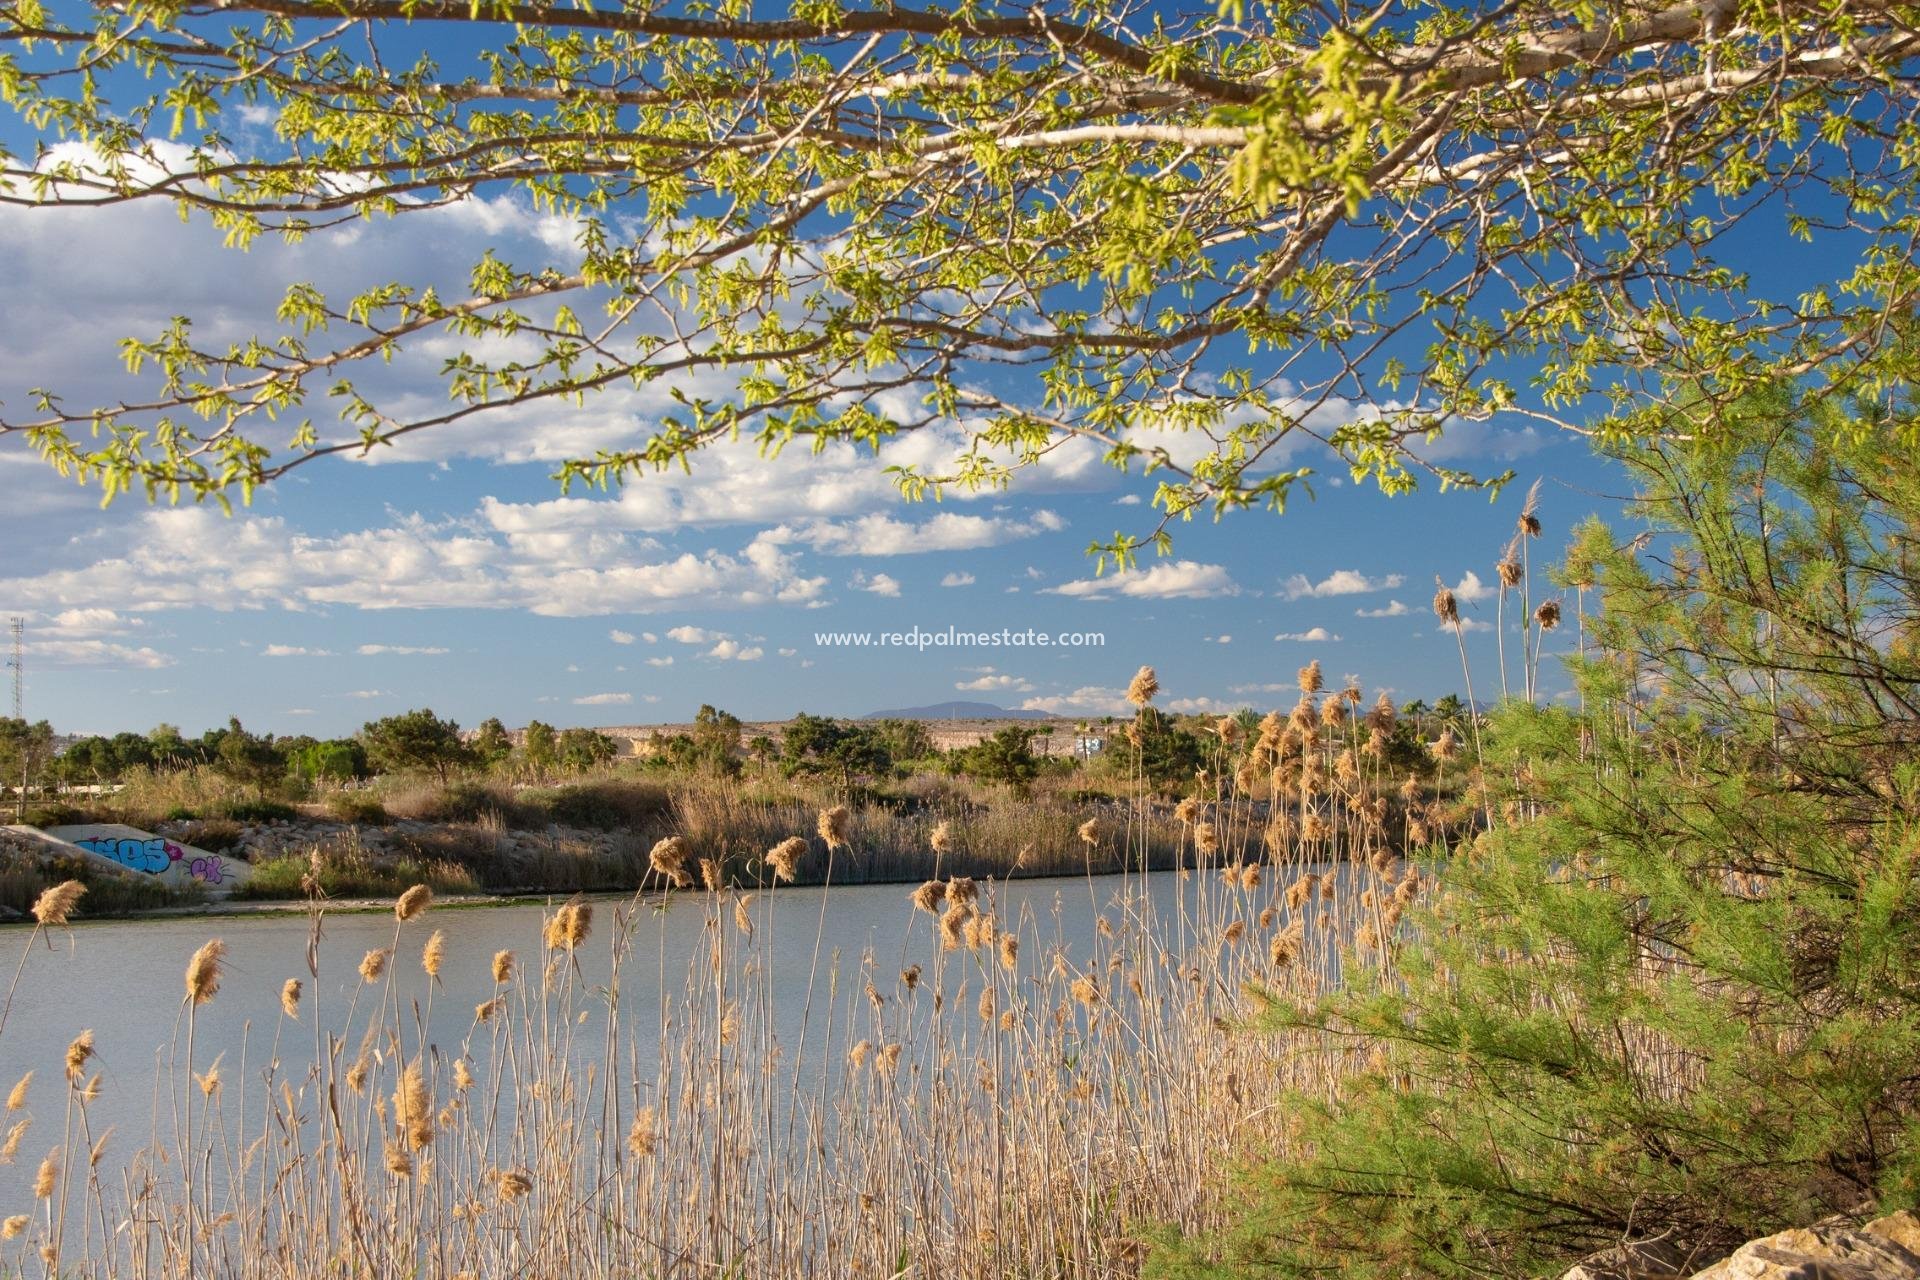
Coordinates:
<point>144,853</point>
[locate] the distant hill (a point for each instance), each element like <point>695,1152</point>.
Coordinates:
<point>956,711</point>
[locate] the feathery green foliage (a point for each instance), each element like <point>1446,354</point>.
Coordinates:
<point>1675,988</point>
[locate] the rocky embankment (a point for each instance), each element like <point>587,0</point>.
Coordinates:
<point>1886,1248</point>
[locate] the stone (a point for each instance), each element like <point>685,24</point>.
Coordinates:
<point>1886,1249</point>
<point>1635,1260</point>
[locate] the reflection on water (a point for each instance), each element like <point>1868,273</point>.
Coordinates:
<point>818,959</point>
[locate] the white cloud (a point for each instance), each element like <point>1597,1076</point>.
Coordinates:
<point>660,662</point>
<point>1202,706</point>
<point>430,650</point>
<point>294,651</point>
<point>297,711</point>
<point>1341,582</point>
<point>603,700</point>
<point>1127,500</point>
<point>94,653</point>
<point>996,684</point>
<point>1088,700</point>
<point>620,637</point>
<point>884,535</point>
<point>1313,635</point>
<point>649,637</point>
<point>196,558</point>
<point>693,635</point>
<point>788,653</point>
<point>1219,639</point>
<point>1470,588</point>
<point>880,584</point>
<point>1391,609</point>
<point>1178,579</point>
<point>731,651</point>
<point>957,580</point>
<point>91,637</point>
<point>367,693</point>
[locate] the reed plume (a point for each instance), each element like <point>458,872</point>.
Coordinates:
<point>834,824</point>
<point>1143,688</point>
<point>502,967</point>
<point>203,971</point>
<point>56,903</point>
<point>413,1106</point>
<point>411,904</point>
<point>290,997</point>
<point>434,952</point>
<point>78,1052</point>
<point>784,858</point>
<point>373,965</point>
<point>641,1137</point>
<point>569,926</point>
<point>669,858</point>
<point>17,1097</point>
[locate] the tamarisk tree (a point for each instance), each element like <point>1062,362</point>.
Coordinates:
<point>1200,242</point>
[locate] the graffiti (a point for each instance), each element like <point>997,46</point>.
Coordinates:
<point>152,856</point>
<point>144,853</point>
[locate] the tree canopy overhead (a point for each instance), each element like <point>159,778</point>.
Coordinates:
<point>1198,240</point>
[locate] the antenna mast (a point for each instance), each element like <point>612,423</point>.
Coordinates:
<point>19,665</point>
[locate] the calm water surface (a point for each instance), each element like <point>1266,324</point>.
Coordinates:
<point>124,981</point>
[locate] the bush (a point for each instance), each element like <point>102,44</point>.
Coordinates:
<point>1674,989</point>
<point>353,874</point>
<point>259,811</point>
<point>108,893</point>
<point>358,807</point>
<point>609,805</point>
<point>215,835</point>
<point>456,802</point>
<point>54,815</point>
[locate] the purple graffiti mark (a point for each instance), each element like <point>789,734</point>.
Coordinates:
<point>208,870</point>
<point>175,852</point>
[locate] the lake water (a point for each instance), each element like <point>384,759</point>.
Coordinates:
<point>124,982</point>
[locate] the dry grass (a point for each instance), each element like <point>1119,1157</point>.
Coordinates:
<point>1007,1100</point>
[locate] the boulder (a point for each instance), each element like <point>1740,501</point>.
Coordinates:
<point>1658,1259</point>
<point>1885,1249</point>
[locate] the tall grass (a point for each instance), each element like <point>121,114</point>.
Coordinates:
<point>1006,1098</point>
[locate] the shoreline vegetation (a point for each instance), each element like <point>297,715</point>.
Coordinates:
<point>1083,1092</point>
<point>483,832</point>
<point>1647,982</point>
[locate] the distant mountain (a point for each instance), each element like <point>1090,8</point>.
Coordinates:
<point>956,711</point>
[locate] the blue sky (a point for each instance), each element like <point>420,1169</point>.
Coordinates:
<point>450,572</point>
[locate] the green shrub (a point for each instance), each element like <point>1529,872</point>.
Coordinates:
<point>357,806</point>
<point>259,811</point>
<point>54,815</point>
<point>455,802</point>
<point>1674,988</point>
<point>607,805</point>
<point>352,874</point>
<point>109,893</point>
<point>215,835</point>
